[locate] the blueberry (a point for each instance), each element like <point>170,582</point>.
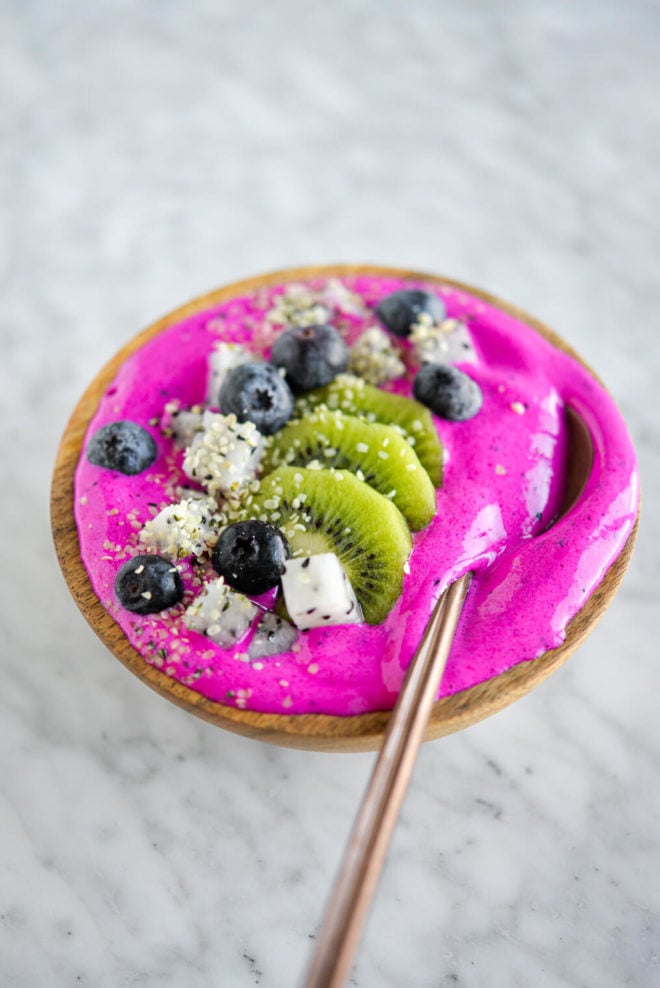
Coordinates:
<point>148,584</point>
<point>257,392</point>
<point>122,446</point>
<point>400,310</point>
<point>310,355</point>
<point>448,392</point>
<point>250,555</point>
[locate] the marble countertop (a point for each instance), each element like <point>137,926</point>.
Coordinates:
<point>150,152</point>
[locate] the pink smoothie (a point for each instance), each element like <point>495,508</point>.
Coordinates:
<point>503,485</point>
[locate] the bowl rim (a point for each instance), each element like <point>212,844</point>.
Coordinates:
<point>319,732</point>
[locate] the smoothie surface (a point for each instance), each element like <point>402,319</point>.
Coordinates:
<point>504,481</point>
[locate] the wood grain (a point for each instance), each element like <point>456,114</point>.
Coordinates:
<point>308,731</point>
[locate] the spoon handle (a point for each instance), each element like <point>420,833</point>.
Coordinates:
<point>365,852</point>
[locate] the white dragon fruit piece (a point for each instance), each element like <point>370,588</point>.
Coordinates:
<point>298,305</point>
<point>220,613</point>
<point>317,592</point>
<point>223,358</point>
<point>374,358</point>
<point>272,636</point>
<point>185,425</point>
<point>181,423</point>
<point>447,342</point>
<point>224,456</point>
<point>187,528</point>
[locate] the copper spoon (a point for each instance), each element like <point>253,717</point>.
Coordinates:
<point>363,859</point>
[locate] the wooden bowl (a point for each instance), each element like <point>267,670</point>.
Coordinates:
<point>309,731</point>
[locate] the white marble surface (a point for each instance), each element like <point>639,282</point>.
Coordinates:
<point>151,151</point>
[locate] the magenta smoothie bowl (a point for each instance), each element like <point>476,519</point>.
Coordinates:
<point>465,470</point>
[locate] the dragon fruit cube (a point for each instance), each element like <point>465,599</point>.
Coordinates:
<point>223,358</point>
<point>220,614</point>
<point>224,455</point>
<point>317,592</point>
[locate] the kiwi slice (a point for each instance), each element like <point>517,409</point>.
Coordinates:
<point>332,511</point>
<point>354,396</point>
<point>377,454</point>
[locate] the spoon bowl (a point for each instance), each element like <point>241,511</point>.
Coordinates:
<point>319,731</point>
